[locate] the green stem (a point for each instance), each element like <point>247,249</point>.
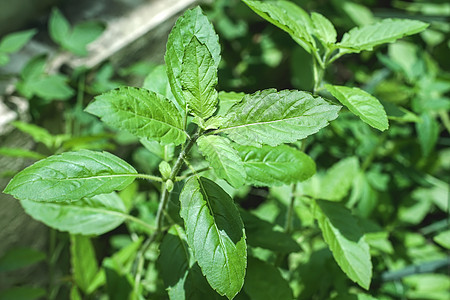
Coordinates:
<point>319,72</point>
<point>175,170</point>
<point>161,209</point>
<point>79,105</point>
<point>179,178</point>
<point>149,177</point>
<point>290,211</point>
<point>140,222</point>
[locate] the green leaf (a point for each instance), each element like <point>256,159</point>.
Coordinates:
<point>362,104</point>
<point>343,235</point>
<point>36,82</point>
<point>18,258</point>
<point>144,113</point>
<point>58,26</point>
<point>223,158</point>
<point>324,29</point>
<point>19,152</point>
<point>15,41</point>
<point>443,239</point>
<point>215,233</point>
<point>359,14</point>
<point>385,31</point>
<point>427,132</point>
<point>197,288</point>
<point>174,261</point>
<point>71,176</point>
<point>261,233</point>
<point>227,100</point>
<point>118,284</point>
<point>81,35</point>
<point>271,117</point>
<point>338,180</point>
<point>427,286</point>
<point>158,82</point>
<point>4,59</point>
<point>96,215</point>
<point>53,87</point>
<point>22,293</point>
<point>75,294</point>
<point>289,17</point>
<point>83,261</point>
<point>198,79</point>
<point>264,281</point>
<point>279,165</point>
<point>192,23</point>
<point>39,134</point>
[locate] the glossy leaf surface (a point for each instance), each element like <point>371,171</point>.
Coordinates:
<point>272,118</point>
<point>223,158</point>
<point>198,79</point>
<point>344,237</point>
<point>192,23</point>
<point>89,216</point>
<point>71,176</point>
<point>215,233</point>
<point>362,104</point>
<point>143,113</point>
<point>267,166</point>
<point>385,31</point>
<point>323,28</point>
<point>289,17</point>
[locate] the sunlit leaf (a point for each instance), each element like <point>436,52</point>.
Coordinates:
<point>198,79</point>
<point>271,117</point>
<point>289,17</point>
<point>267,166</point>
<point>385,31</point>
<point>71,176</point>
<point>344,237</point>
<point>88,216</point>
<point>215,233</point>
<point>143,113</point>
<point>362,104</point>
<point>192,23</point>
<point>223,158</point>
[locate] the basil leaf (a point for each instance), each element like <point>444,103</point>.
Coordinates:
<point>215,233</point>
<point>272,118</point>
<point>71,176</point>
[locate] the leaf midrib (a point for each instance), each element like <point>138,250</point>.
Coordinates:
<point>259,123</point>
<point>216,229</point>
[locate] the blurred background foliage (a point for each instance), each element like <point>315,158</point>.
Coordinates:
<point>397,181</point>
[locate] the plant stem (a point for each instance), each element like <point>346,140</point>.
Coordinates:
<point>290,211</point>
<point>175,170</point>
<point>164,199</point>
<point>140,222</point>
<point>179,178</point>
<point>149,177</point>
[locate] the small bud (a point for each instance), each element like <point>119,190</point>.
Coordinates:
<point>165,169</point>
<point>169,185</point>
